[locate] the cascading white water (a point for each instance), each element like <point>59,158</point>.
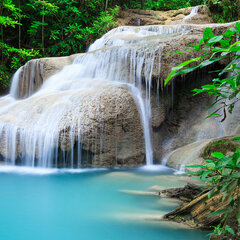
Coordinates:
<point>33,129</point>
<point>193,12</point>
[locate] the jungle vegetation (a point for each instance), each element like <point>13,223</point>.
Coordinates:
<point>44,28</point>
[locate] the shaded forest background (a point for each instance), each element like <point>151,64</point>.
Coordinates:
<point>44,28</point>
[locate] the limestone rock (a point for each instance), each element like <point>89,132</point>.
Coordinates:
<point>135,17</point>
<point>35,72</point>
<point>187,155</point>
<point>99,118</point>
<point>195,153</point>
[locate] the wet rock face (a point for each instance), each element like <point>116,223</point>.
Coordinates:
<point>148,45</point>
<point>110,128</point>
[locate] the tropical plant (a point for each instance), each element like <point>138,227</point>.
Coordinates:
<point>37,28</point>
<point>11,57</point>
<point>222,173</point>
<point>224,10</point>
<point>213,49</point>
<point>219,230</point>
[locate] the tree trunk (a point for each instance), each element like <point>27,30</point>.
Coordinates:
<point>19,26</point>
<point>43,50</point>
<point>1,14</point>
<point>106,5</point>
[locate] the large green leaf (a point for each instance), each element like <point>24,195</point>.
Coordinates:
<point>216,39</point>
<point>219,212</point>
<point>217,155</point>
<point>180,66</point>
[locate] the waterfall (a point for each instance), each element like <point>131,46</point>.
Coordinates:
<point>193,12</point>
<point>44,123</point>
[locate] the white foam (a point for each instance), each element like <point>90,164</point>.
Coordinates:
<point>157,168</point>
<point>44,171</point>
<point>192,14</point>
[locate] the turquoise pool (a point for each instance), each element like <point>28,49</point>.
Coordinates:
<point>87,205</point>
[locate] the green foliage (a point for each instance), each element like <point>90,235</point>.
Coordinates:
<point>219,230</point>
<point>212,49</point>
<point>63,27</point>
<point>224,10</point>
<point>165,5</point>
<point>162,5</point>
<point>49,28</point>
<point>7,21</point>
<point>16,58</point>
<point>223,174</point>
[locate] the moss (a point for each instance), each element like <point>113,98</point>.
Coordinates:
<point>224,145</point>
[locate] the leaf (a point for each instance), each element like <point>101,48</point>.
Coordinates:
<point>215,39</point>
<point>210,166</point>
<point>235,175</point>
<point>233,45</point>
<point>236,139</point>
<point>229,229</point>
<point>235,49</point>
<point>217,155</point>
<point>211,193</point>
<point>179,52</point>
<point>228,33</point>
<point>218,49</point>
<point>208,34</point>
<point>238,27</point>
<point>180,66</point>
<point>195,166</point>
<point>186,70</point>
<point>214,113</point>
<point>224,188</point>
<point>211,61</point>
<point>219,212</point>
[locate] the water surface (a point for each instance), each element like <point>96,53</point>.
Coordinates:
<point>87,205</point>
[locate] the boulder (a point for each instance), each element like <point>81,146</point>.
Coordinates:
<point>195,153</point>
<point>97,120</point>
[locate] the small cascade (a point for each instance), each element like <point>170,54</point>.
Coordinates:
<point>193,12</point>
<point>31,76</point>
<point>15,83</point>
<point>138,22</point>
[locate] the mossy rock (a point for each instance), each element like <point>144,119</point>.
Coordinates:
<point>225,145</point>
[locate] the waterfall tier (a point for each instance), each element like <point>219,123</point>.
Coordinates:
<point>93,109</point>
